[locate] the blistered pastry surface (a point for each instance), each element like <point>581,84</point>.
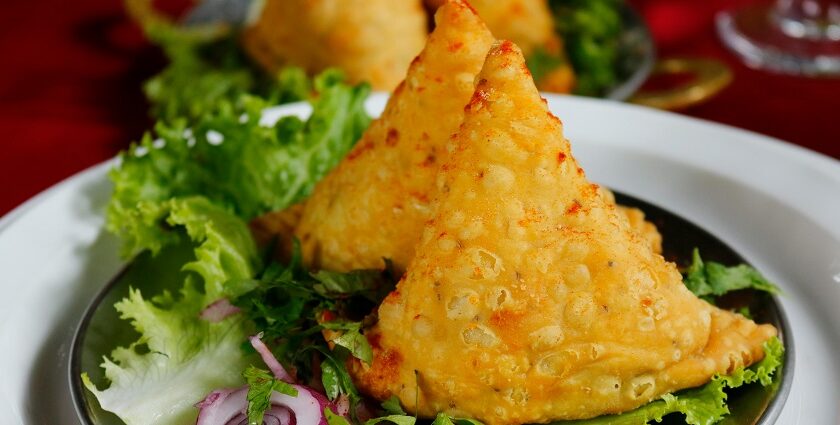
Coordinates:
<point>530,299</point>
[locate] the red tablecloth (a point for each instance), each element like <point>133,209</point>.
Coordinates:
<point>70,87</point>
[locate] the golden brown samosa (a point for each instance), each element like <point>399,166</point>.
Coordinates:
<point>370,40</point>
<point>529,300</point>
<point>374,204</point>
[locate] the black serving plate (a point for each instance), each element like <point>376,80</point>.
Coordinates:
<point>100,329</point>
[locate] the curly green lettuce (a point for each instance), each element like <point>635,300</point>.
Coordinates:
<point>175,362</point>
<point>209,67</point>
<point>231,158</point>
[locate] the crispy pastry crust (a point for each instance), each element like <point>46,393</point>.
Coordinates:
<point>374,204</point>
<point>529,299</point>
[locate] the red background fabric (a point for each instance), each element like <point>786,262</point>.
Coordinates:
<point>70,87</point>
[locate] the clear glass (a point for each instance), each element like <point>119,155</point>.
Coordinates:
<point>788,36</point>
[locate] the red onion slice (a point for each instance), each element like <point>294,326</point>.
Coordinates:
<point>213,397</point>
<point>308,406</point>
<point>223,407</point>
<point>228,407</point>
<point>277,415</point>
<point>219,310</point>
<point>276,368</point>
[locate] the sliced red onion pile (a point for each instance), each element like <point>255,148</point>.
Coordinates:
<point>229,406</point>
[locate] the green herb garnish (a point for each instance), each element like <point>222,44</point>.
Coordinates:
<point>710,279</point>
<point>261,384</point>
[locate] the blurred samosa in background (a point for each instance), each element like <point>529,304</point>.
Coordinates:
<point>375,41</point>
<point>370,40</point>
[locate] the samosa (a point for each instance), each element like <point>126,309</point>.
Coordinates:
<point>529,299</point>
<point>374,204</point>
<point>370,40</point>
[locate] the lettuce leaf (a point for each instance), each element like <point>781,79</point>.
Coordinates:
<point>194,82</point>
<point>230,158</point>
<point>711,279</point>
<point>209,166</point>
<point>705,405</point>
<point>209,67</point>
<point>177,359</point>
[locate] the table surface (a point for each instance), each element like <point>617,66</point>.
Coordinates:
<point>70,87</point>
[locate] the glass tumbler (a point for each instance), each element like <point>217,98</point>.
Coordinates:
<point>787,36</point>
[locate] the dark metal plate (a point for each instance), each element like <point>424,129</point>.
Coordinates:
<point>100,329</point>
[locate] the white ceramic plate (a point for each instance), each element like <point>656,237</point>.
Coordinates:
<point>776,204</point>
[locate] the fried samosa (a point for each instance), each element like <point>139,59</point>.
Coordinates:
<point>374,204</point>
<point>529,300</point>
<point>370,40</point>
